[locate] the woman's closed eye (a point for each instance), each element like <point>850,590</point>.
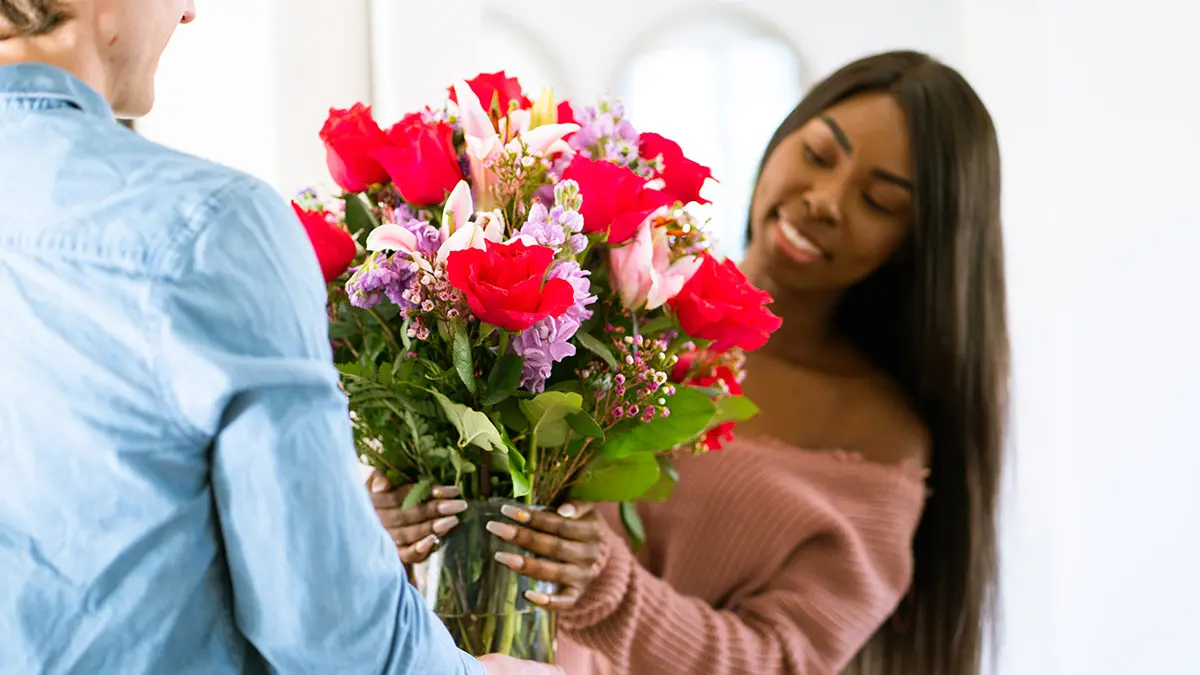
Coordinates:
<point>815,158</point>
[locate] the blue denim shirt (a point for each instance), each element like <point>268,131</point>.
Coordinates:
<point>178,488</point>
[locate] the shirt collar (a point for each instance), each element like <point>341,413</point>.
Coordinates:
<point>40,80</point>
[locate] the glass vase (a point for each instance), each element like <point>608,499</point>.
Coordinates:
<point>481,601</point>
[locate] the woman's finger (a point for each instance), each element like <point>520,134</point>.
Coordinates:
<point>411,534</point>
<point>546,570</point>
<point>546,545</point>
<point>585,526</point>
<point>393,517</point>
<point>567,598</point>
<point>418,552</point>
<point>393,497</point>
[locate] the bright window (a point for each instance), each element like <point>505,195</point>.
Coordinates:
<point>719,85</point>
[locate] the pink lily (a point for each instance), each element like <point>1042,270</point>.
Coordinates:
<point>484,143</point>
<point>643,272</point>
<point>391,237</point>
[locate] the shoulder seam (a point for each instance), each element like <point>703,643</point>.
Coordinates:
<point>180,245</point>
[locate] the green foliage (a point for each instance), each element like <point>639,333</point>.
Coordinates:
<point>617,479</point>
<point>692,413</point>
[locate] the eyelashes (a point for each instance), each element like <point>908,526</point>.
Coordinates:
<point>815,159</point>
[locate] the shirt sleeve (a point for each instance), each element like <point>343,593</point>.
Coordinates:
<point>317,585</point>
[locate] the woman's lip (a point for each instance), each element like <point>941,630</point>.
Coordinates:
<point>797,246</point>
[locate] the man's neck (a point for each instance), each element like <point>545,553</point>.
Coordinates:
<point>70,47</point>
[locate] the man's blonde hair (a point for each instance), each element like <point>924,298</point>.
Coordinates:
<point>31,18</point>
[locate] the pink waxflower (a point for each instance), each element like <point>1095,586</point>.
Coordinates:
<point>642,270</point>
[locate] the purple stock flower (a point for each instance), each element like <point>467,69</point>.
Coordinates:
<point>548,341</point>
<point>572,273</point>
<point>382,276</point>
<point>542,229</point>
<point>545,343</point>
<point>553,227</point>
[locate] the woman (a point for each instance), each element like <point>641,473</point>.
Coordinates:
<point>813,544</point>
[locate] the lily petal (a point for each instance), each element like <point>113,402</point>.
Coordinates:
<point>542,138</point>
<point>459,209</point>
<point>391,237</point>
<point>475,119</point>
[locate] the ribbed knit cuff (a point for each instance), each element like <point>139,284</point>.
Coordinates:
<point>606,592</point>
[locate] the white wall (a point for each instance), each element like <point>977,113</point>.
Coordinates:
<point>251,81</point>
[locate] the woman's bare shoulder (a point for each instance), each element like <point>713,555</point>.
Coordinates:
<point>887,428</point>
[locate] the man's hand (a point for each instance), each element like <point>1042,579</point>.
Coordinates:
<point>495,664</point>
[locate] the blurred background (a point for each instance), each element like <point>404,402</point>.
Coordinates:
<point>1095,101</point>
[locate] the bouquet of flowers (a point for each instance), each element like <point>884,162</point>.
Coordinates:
<point>522,305</point>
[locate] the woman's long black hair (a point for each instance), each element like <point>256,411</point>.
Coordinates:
<point>934,319</point>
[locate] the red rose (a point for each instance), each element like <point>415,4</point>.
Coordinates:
<point>719,304</point>
<point>421,159</point>
<point>683,177</point>
<point>334,246</point>
<point>708,374</point>
<point>350,136</point>
<point>566,114</point>
<point>506,284</point>
<point>496,92</point>
<point>615,199</point>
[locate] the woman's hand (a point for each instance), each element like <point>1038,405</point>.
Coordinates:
<point>418,530</point>
<point>496,664</point>
<point>570,539</point>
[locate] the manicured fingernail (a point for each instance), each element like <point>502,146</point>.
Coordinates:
<point>445,492</point>
<point>518,514</point>
<point>380,484</point>
<point>503,530</point>
<point>426,545</point>
<point>451,508</point>
<point>537,598</point>
<point>516,562</point>
<point>567,510</point>
<point>443,525</point>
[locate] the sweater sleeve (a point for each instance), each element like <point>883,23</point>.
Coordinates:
<point>842,574</point>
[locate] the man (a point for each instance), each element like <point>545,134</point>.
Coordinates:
<point>178,492</point>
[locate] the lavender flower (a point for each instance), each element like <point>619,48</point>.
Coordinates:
<point>548,341</point>
<point>606,135</point>
<point>545,343</point>
<point>554,227</point>
<point>429,238</point>
<point>572,273</point>
<point>382,275</point>
<point>543,231</point>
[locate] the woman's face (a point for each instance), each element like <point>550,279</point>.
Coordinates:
<point>835,199</point>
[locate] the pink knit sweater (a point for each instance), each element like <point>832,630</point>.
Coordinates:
<point>767,560</point>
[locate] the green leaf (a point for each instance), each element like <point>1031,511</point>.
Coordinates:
<point>461,465</point>
<point>462,356</point>
<point>473,426</point>
<point>692,413</point>
<point>583,424</point>
<point>633,525</point>
<point>622,479</point>
<point>420,492</point>
<point>511,415</point>
<point>734,409</point>
<point>547,413</point>
<point>516,469</point>
<point>504,379</point>
<point>668,477</point>
<point>598,348</point>
<point>340,331</point>
<point>656,325</point>
<point>360,219</point>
